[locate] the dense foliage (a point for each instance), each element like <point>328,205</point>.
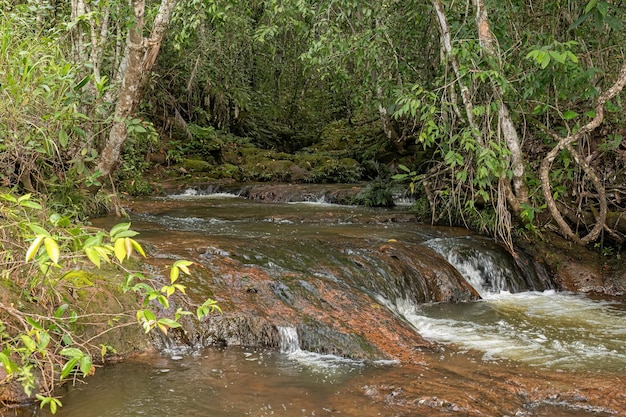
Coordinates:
<point>68,294</point>
<point>506,117</point>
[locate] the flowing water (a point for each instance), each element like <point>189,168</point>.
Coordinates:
<point>308,274</point>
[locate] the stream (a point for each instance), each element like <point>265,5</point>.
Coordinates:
<point>336,310</point>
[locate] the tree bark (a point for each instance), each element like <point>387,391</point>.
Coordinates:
<point>507,127</point>
<point>446,42</point>
<point>141,54</point>
<point>566,143</point>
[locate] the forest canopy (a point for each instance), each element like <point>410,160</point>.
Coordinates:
<point>500,116</point>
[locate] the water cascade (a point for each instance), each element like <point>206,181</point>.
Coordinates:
<point>487,267</point>
<point>359,285</point>
<point>289,342</point>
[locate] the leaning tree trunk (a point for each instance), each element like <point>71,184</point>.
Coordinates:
<point>141,54</point>
<point>566,143</point>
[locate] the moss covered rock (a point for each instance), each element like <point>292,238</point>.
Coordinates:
<point>196,165</point>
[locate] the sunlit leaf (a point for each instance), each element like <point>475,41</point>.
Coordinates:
<point>174,273</point>
<point>138,247</point>
<point>71,352</point>
<point>119,250</point>
<point>44,340</point>
<point>103,252</point>
<point>8,197</point>
<point>52,249</point>
<point>128,246</point>
<point>169,323</point>
<point>92,255</point>
<point>9,366</point>
<point>163,328</point>
<point>34,247</point>
<point>126,233</point>
<point>29,342</point>
<point>30,204</point>
<point>183,265</point>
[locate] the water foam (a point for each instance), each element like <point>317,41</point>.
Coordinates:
<point>547,329</point>
<point>193,193</point>
<point>317,362</point>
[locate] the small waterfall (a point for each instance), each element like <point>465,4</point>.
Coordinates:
<point>289,342</point>
<point>486,266</point>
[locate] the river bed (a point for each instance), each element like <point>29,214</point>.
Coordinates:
<point>529,353</point>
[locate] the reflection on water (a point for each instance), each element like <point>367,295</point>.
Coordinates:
<point>214,382</point>
<point>236,382</point>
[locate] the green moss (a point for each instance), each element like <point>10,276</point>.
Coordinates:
<point>228,171</point>
<point>79,279</point>
<point>196,165</point>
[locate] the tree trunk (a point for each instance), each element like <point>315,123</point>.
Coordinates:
<point>566,143</point>
<point>141,55</point>
<point>507,127</point>
<point>446,42</point>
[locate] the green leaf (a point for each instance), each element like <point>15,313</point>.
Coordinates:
<point>93,255</point>
<point>82,83</point>
<point>61,310</point>
<point>558,57</point>
<point>54,403</point>
<point>72,352</point>
<point>93,241</point>
<point>9,366</point>
<point>25,201</point>
<point>34,323</point>
<point>590,5</point>
<point>80,132</point>
<point>69,367</point>
<point>8,197</point>
<point>579,21</point>
<point>603,8</point>
<point>29,342</point>
<point>120,227</point>
<point>38,230</point>
<point>44,340</point>
<point>63,138</point>
<point>614,23</point>
<point>169,323</point>
<point>85,365</point>
<point>569,115</point>
<point>126,233</point>
<point>103,252</point>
